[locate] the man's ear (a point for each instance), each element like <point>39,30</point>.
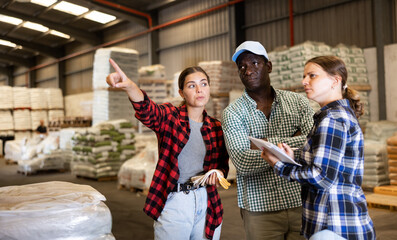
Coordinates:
<point>269,66</point>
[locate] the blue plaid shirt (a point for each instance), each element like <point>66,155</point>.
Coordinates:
<point>331,175</point>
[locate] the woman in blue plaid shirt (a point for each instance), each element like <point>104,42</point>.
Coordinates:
<point>332,158</point>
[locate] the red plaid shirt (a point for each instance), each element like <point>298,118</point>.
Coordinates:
<point>171,125</point>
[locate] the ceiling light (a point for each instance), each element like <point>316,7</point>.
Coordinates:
<point>59,34</point>
<point>7,43</point>
<point>100,17</point>
<point>70,8</point>
<point>45,3</point>
<point>35,26</point>
<point>10,20</point>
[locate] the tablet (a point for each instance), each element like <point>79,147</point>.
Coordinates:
<point>280,154</point>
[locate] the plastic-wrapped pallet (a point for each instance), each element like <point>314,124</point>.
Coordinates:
<point>21,97</point>
<point>100,150</point>
<point>40,154</point>
<point>6,120</point>
<point>137,172</point>
<point>392,158</point>
<point>6,97</point>
<point>126,58</point>
<point>13,150</point>
<point>54,98</point>
<point>54,210</point>
<point>22,119</point>
<point>36,116</point>
<point>38,98</point>
<point>216,105</point>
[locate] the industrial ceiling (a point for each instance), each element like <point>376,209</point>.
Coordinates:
<point>31,43</point>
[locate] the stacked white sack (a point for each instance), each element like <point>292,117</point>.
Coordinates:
<point>54,210</point>
<point>21,97</point>
<point>126,58</point>
<point>100,150</point>
<point>110,105</point>
<point>137,172</point>
<point>6,97</point>
<point>223,76</point>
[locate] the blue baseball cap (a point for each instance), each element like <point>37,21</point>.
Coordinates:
<point>251,46</point>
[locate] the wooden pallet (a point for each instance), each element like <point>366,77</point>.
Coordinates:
<point>99,179</point>
<point>133,189</point>
<point>383,201</point>
<point>386,190</point>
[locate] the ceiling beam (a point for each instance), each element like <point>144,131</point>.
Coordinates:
<point>82,36</point>
<point>43,49</point>
<point>4,57</point>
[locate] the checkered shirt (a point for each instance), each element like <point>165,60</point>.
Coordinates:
<point>258,188</point>
<point>171,125</point>
<point>331,175</point>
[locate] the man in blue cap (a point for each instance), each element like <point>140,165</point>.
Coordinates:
<point>270,206</point>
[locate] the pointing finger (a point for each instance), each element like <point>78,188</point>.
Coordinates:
<point>117,68</point>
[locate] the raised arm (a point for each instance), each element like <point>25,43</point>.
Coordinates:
<point>119,80</point>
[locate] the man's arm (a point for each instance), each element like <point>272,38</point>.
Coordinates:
<point>246,160</point>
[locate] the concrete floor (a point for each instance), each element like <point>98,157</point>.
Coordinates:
<point>130,222</point>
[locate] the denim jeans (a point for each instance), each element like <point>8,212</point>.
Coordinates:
<point>183,217</point>
<point>326,235</point>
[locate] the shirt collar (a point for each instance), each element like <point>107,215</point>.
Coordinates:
<point>184,117</point>
<point>341,102</point>
<point>253,102</point>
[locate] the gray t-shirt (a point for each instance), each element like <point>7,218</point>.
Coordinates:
<point>191,158</point>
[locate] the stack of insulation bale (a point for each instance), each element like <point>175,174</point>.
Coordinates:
<point>39,106</point>
<point>21,113</point>
<point>110,104</point>
<point>100,150</point>
<point>6,118</point>
<point>392,158</point>
<point>375,153</point>
<point>55,103</point>
<point>223,79</point>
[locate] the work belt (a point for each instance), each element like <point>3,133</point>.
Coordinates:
<point>185,187</point>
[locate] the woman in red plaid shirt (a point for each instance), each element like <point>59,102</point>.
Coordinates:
<point>190,143</point>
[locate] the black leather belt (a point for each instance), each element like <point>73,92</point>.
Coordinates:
<point>184,187</point>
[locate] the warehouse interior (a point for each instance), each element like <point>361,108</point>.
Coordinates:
<point>53,66</point>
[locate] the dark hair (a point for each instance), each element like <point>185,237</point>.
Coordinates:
<point>185,73</point>
<point>188,71</point>
<point>334,66</point>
